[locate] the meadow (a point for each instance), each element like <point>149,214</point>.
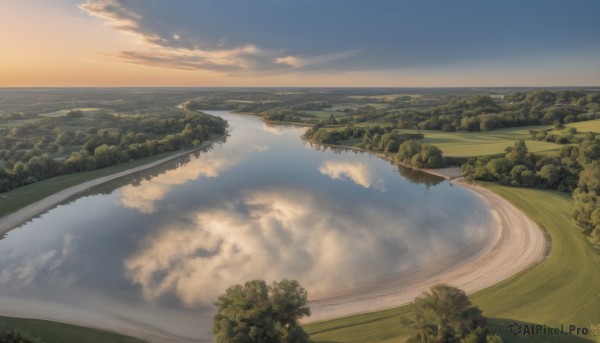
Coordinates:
<point>586,126</point>
<point>53,332</point>
<point>467,144</point>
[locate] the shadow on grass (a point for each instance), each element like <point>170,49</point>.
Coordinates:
<point>502,327</point>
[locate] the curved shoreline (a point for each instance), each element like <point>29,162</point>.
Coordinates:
<point>22,215</point>
<point>518,244</point>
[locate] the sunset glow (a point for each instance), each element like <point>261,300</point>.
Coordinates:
<point>210,43</point>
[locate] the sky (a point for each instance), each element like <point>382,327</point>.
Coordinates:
<point>313,43</point>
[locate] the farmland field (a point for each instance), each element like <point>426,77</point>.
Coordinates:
<point>466,144</point>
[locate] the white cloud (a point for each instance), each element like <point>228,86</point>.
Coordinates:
<point>295,62</point>
<point>162,47</point>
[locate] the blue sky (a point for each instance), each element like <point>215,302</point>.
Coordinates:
<point>538,42</point>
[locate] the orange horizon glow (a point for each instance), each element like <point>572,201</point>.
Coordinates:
<point>60,46</point>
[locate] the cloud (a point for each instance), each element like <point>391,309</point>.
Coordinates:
<point>143,197</point>
<point>288,36</point>
<point>272,234</point>
<point>161,47</point>
<point>360,173</point>
<point>298,62</point>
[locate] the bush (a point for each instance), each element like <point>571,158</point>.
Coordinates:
<point>18,336</point>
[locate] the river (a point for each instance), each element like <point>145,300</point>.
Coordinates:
<point>155,249</point>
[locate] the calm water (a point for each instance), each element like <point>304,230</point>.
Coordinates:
<point>159,247</point>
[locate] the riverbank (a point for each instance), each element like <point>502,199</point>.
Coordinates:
<point>22,215</point>
<point>518,244</point>
<point>448,173</point>
<point>384,292</point>
<point>559,290</point>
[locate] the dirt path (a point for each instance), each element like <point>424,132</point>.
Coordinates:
<point>12,220</point>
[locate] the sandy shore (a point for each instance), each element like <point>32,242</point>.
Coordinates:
<point>12,220</point>
<point>518,244</point>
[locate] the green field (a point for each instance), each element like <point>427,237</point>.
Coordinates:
<point>563,289</point>
<point>52,332</point>
<point>325,113</point>
<point>466,144</point>
<point>586,126</point>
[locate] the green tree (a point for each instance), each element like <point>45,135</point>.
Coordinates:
<point>256,312</point>
<point>478,335</point>
<point>106,155</point>
<point>422,326</point>
<point>407,150</point>
<point>79,161</point>
<point>429,157</point>
<point>451,311</point>
<point>517,153</point>
<point>18,336</point>
<point>493,339</point>
<point>550,174</point>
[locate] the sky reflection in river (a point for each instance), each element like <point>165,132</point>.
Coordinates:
<point>262,205</point>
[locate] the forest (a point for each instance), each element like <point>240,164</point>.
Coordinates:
<point>76,142</point>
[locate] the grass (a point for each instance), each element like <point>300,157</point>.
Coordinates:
<point>20,197</point>
<point>52,332</point>
<point>325,114</point>
<point>563,289</point>
<point>466,144</point>
<point>586,126</point>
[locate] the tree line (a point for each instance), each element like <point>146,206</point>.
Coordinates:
<point>484,113</point>
<point>372,137</point>
<point>575,170</point>
<point>42,149</point>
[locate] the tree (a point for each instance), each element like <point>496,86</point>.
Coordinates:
<point>550,173</point>
<point>18,336</point>
<point>493,339</point>
<point>106,155</point>
<point>517,153</point>
<point>407,150</point>
<point>79,161</point>
<point>450,310</point>
<point>476,336</point>
<point>256,312</point>
<point>422,327</point>
<point>431,156</point>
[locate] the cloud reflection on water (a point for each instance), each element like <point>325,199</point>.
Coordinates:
<point>45,267</point>
<point>284,233</point>
<point>143,196</point>
<point>360,173</point>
